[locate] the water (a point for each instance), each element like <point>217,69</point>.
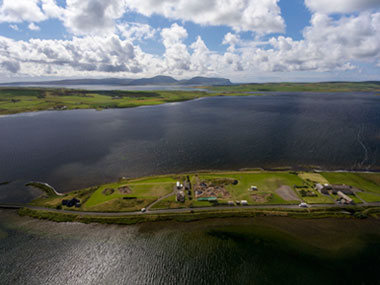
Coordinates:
<point>75,149</point>
<point>229,251</point>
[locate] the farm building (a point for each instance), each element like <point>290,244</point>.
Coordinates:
<point>326,189</point>
<point>344,198</point>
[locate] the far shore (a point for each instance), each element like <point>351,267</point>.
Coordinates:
<point>33,99</point>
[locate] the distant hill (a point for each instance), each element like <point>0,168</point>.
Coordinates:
<point>206,81</point>
<point>157,80</point>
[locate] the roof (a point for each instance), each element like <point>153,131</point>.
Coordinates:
<point>207,199</point>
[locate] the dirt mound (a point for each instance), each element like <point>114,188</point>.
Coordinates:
<point>108,191</point>
<point>287,193</point>
<point>124,190</point>
<point>261,197</point>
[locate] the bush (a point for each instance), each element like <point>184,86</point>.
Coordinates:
<point>360,215</point>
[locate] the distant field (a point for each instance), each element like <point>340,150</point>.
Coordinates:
<point>366,181</point>
<point>19,100</point>
<point>302,87</point>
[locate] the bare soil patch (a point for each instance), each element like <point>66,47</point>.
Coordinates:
<point>261,197</point>
<point>124,190</point>
<point>213,188</point>
<point>287,193</point>
<point>108,191</point>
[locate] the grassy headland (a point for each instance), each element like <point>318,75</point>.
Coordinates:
<point>279,191</point>
<point>18,100</point>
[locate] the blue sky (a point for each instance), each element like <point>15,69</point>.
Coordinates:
<point>244,40</point>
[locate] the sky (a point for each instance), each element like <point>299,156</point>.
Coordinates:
<point>243,40</point>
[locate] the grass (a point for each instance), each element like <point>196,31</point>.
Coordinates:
<point>302,87</point>
<point>18,100</point>
<point>369,197</point>
<point>319,199</point>
<point>316,177</point>
<point>145,191</point>
<point>267,183</point>
<point>366,181</point>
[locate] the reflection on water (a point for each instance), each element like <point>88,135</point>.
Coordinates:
<point>231,251</point>
<point>75,149</point>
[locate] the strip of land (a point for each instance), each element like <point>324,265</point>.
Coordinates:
<point>216,194</point>
<point>15,100</point>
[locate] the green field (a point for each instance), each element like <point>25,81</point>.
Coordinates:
<point>18,100</point>
<point>369,197</point>
<point>302,87</point>
<point>366,181</point>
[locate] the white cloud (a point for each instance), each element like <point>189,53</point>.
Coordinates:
<point>33,27</point>
<point>341,6</point>
<point>176,54</point>
<point>261,16</point>
<point>92,17</point>
<point>20,10</point>
<point>136,31</point>
<point>77,56</point>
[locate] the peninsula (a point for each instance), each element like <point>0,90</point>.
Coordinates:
<point>193,196</point>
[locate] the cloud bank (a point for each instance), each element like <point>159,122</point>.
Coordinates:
<point>103,43</point>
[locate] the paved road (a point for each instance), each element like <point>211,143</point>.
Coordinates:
<point>168,211</point>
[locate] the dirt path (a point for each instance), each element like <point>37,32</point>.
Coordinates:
<point>160,199</point>
<point>287,193</point>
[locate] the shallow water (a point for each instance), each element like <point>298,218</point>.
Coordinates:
<point>76,149</point>
<point>230,251</point>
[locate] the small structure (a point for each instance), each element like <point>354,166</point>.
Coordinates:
<point>345,198</point>
<point>244,202</point>
<point>319,187</point>
<point>209,199</point>
<point>180,197</point>
<point>187,185</point>
<point>254,188</point>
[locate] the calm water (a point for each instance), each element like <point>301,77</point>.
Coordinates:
<point>226,251</point>
<point>74,149</point>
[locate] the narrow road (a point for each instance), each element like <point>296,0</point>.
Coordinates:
<point>168,211</point>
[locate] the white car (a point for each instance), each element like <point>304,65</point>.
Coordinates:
<point>143,210</point>
<point>303,205</point>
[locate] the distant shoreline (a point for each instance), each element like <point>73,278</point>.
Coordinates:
<point>32,99</point>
